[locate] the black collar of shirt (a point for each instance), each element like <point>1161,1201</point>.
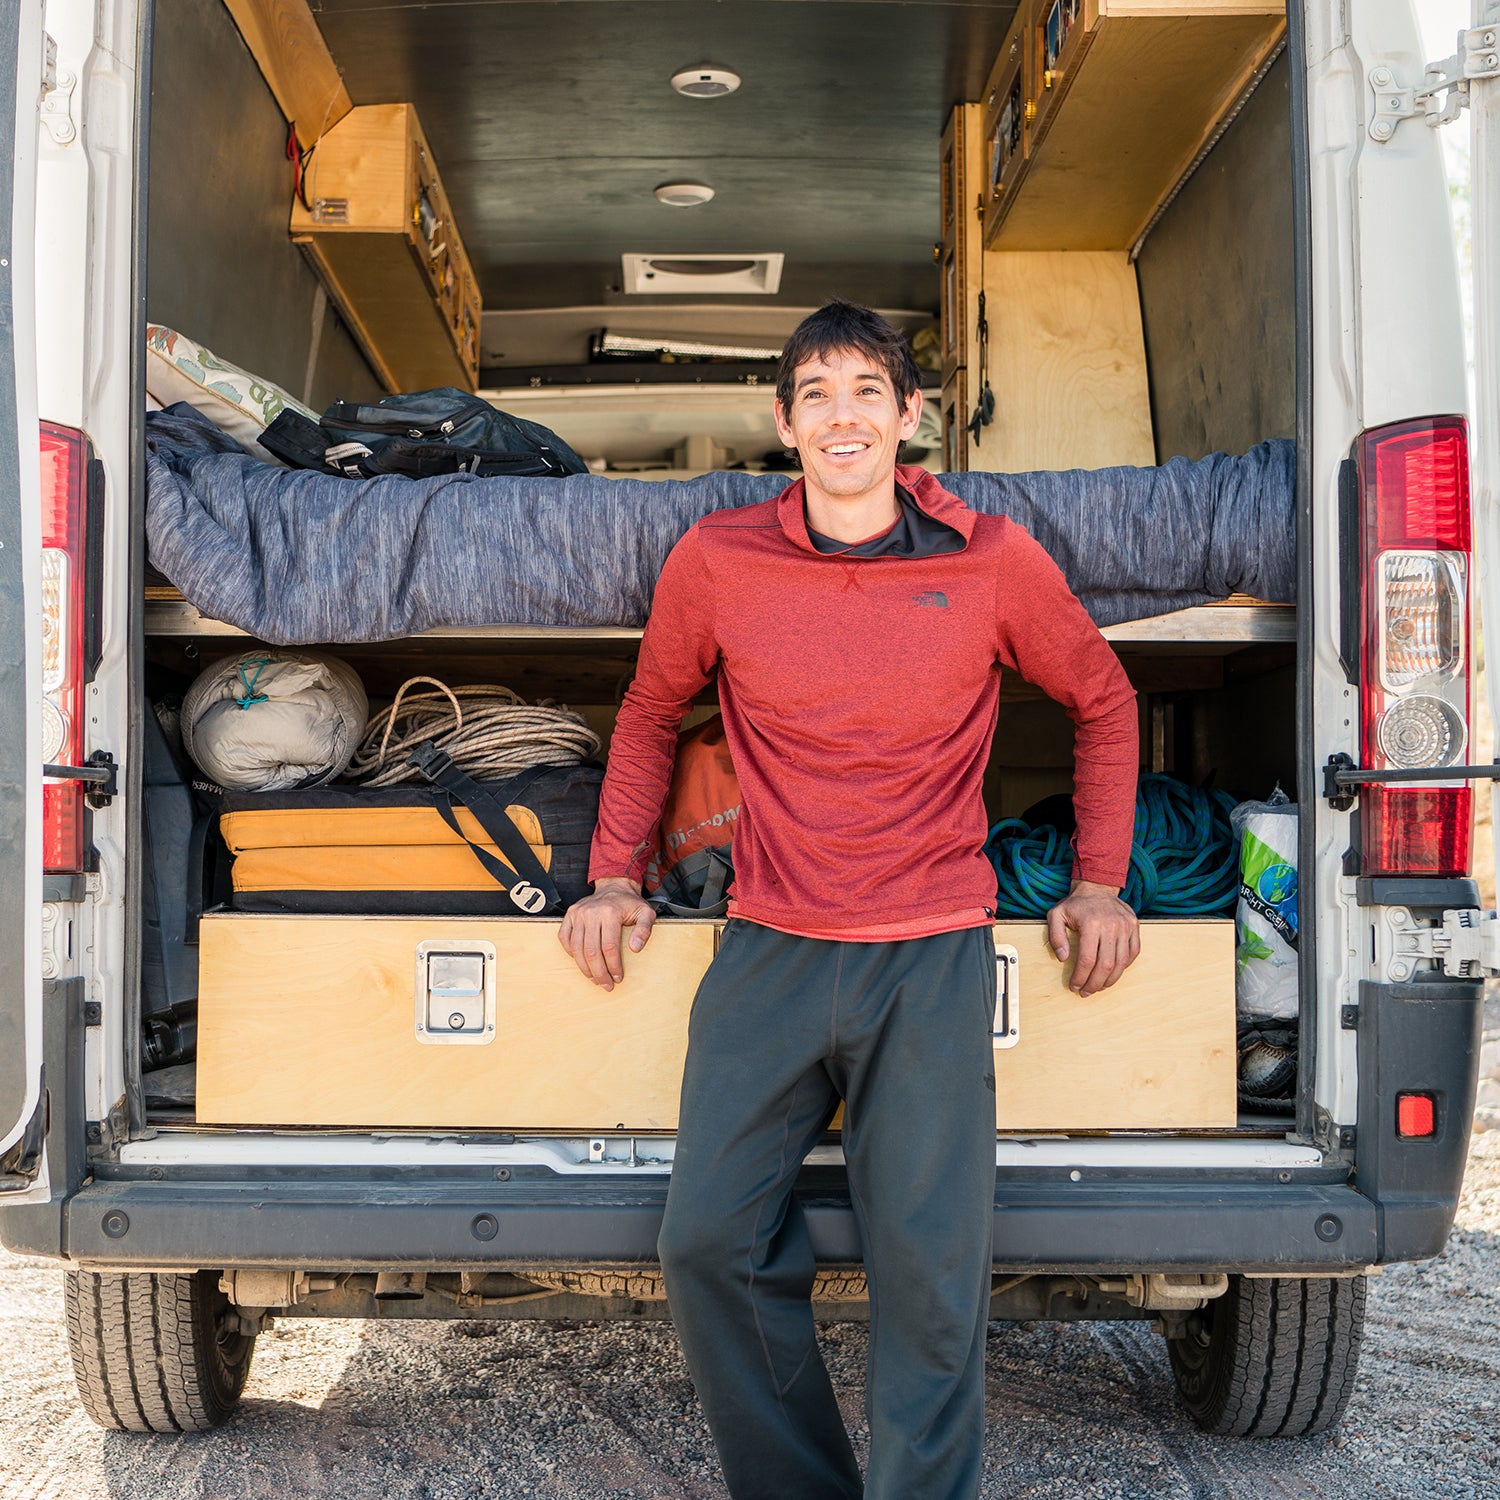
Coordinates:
<point>913,534</point>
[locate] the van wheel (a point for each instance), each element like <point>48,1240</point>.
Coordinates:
<point>155,1353</point>
<point>1272,1358</point>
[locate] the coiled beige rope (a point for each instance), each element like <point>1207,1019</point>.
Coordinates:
<point>496,735</point>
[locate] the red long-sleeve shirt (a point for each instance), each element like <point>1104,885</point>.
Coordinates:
<point>859,698</point>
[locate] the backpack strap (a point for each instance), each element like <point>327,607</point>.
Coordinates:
<point>676,896</point>
<point>528,885</point>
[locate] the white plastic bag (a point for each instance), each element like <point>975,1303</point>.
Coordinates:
<point>1266,917</point>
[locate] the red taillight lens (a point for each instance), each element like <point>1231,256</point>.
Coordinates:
<point>1421,474</point>
<point>64,477</point>
<point>1416,1116</point>
<point>1410,830</point>
<point>1416,560</point>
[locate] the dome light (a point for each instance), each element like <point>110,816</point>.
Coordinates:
<point>705,82</point>
<point>683,194</point>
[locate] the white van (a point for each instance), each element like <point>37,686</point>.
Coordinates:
<point>1164,228</point>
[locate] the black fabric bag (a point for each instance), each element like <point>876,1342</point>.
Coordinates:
<point>415,849</point>
<point>421,435</point>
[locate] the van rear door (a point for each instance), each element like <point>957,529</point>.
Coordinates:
<point>22,1106</point>
<point>1484,440</point>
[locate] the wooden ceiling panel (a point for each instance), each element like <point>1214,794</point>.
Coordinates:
<point>552,123</point>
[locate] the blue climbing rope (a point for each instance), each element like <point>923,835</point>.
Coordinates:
<point>1184,859</point>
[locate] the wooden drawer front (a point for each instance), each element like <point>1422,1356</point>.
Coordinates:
<point>312,1021</point>
<point>1153,1052</point>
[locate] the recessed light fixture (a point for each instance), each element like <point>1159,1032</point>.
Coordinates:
<point>683,194</point>
<point>705,82</point>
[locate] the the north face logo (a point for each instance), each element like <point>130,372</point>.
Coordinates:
<point>931,600</point>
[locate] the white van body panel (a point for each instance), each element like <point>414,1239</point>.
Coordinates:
<point>85,236</point>
<point>1387,346</point>
<point>1484,436</point>
<point>23,335</point>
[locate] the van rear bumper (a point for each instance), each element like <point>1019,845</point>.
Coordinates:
<point>1119,1223</point>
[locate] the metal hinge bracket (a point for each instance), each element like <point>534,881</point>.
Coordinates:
<point>1466,944</point>
<point>56,105</point>
<point>1478,56</point>
<point>97,773</point>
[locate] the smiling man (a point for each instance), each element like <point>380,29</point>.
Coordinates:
<point>857,627</point>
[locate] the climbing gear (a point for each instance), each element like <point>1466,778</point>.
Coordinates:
<point>455,847</point>
<point>1182,859</point>
<point>690,871</point>
<point>496,735</point>
<point>984,407</point>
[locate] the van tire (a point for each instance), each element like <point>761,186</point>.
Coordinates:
<point>155,1353</point>
<point>1272,1358</point>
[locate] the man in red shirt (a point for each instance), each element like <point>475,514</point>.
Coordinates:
<point>857,627</point>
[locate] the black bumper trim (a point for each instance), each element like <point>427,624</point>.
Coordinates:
<point>346,1224</point>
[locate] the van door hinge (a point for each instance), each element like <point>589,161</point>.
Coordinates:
<point>97,773</point>
<point>56,105</point>
<point>1465,943</point>
<point>1478,56</point>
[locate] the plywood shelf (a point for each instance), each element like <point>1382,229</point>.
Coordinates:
<point>1230,624</point>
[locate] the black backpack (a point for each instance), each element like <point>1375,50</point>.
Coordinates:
<point>420,435</point>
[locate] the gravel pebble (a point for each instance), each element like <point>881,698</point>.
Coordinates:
<point>582,1411</point>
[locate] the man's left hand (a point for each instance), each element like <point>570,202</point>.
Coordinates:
<point>1109,937</point>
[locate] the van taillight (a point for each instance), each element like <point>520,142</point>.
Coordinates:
<point>1415,565</point>
<point>64,486</point>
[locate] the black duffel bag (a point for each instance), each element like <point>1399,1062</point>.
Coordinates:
<point>421,435</point>
<point>453,847</point>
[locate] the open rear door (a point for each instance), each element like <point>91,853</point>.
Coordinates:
<point>1484,439</point>
<point>22,1109</point>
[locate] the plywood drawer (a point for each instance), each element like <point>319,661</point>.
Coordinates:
<point>315,1021</point>
<point>312,1021</point>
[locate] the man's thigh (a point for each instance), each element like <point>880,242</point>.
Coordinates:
<point>756,1092</point>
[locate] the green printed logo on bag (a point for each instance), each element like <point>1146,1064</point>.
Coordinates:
<point>1268,887</point>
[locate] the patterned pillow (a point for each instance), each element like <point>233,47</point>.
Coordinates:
<point>238,403</point>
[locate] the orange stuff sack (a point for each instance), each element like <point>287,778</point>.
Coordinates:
<point>703,802</point>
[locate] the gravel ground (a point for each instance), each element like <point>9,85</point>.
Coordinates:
<point>447,1411</point>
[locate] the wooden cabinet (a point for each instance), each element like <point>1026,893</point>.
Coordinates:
<point>379,230</point>
<point>344,1022</point>
<point>1095,110</point>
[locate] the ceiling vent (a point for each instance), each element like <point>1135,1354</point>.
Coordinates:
<point>702,275</point>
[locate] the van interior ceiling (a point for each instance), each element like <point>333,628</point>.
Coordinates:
<point>545,131</point>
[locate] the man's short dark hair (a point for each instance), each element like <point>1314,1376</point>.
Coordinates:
<point>840,325</point>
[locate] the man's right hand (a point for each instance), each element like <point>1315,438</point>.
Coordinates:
<point>590,930</point>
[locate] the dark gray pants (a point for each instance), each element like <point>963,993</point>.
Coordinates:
<point>782,1028</point>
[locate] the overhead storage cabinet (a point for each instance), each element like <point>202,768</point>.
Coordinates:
<point>1095,110</point>
<point>378,229</point>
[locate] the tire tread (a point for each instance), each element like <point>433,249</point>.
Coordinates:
<point>1281,1359</point>
<point>145,1351</point>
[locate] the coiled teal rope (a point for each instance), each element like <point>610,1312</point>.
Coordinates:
<point>1184,859</point>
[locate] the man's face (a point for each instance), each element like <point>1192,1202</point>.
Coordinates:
<point>846,422</point>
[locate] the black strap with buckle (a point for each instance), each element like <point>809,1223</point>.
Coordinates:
<point>523,879</point>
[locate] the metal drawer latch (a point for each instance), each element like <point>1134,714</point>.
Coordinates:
<point>455,992</point>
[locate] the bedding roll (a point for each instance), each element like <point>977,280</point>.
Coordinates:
<point>267,720</point>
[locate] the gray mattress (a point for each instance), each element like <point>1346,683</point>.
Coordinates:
<point>301,558</point>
